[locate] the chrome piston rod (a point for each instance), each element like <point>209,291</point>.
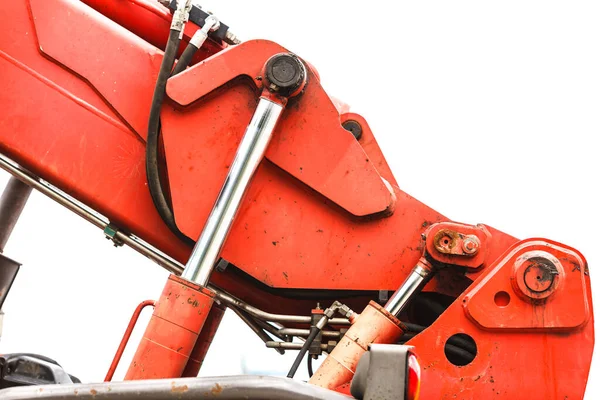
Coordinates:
<point>413,284</point>
<point>249,154</point>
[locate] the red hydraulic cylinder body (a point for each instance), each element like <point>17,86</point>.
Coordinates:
<point>172,332</point>
<point>204,341</point>
<point>374,325</point>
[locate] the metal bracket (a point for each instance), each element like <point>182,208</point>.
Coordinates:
<point>110,232</point>
<point>381,373</point>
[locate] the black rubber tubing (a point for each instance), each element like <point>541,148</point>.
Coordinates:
<point>314,331</point>
<point>185,60</point>
<point>152,171</point>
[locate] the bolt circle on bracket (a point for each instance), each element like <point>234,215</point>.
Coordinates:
<point>537,274</point>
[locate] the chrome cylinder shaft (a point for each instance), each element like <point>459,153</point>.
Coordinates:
<point>413,284</point>
<point>249,154</point>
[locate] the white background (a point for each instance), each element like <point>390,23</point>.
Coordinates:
<point>486,111</point>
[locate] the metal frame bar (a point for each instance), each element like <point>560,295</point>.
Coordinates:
<point>125,339</point>
<point>230,387</point>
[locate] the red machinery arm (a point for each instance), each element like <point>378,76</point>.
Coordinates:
<point>323,211</point>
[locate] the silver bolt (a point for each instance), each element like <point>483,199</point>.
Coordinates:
<point>470,245</point>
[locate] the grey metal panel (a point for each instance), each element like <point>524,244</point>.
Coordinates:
<point>381,373</point>
<point>229,388</point>
<point>8,272</point>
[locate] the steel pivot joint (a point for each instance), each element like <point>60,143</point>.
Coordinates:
<point>285,75</point>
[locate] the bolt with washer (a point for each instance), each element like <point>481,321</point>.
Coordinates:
<point>471,245</point>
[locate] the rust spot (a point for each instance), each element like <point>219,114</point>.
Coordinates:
<point>275,243</point>
<point>178,389</point>
<point>194,303</point>
<point>445,240</point>
<point>93,392</point>
<point>217,389</point>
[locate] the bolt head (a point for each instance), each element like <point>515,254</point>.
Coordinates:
<point>470,246</point>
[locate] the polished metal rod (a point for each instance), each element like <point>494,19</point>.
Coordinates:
<point>306,332</point>
<point>269,328</point>
<point>254,327</point>
<point>265,316</point>
<point>249,154</point>
<point>289,345</point>
<point>413,284</point>
<point>255,312</point>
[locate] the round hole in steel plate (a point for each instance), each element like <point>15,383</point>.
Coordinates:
<point>460,349</point>
<point>502,299</point>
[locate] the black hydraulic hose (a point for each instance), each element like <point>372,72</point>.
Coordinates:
<point>152,141</point>
<point>414,327</point>
<point>462,354</point>
<point>453,349</point>
<point>309,365</point>
<point>185,60</point>
<point>454,341</point>
<point>314,331</point>
<point>463,344</point>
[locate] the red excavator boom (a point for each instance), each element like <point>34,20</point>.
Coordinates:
<point>238,173</point>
